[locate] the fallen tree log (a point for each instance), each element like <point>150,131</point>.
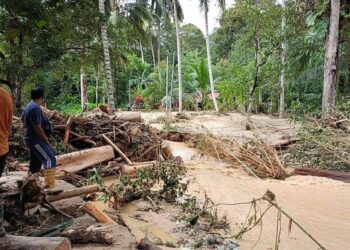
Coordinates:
<point>336,175</point>
<point>80,160</point>
<point>96,213</point>
<point>128,116</point>
<point>73,193</point>
<point>12,242</point>
<point>88,235</point>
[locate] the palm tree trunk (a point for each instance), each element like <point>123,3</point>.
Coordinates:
<point>107,60</point>
<point>141,50</point>
<point>330,64</point>
<point>167,85</point>
<point>171,84</point>
<point>209,60</point>
<point>283,69</point>
<point>158,52</point>
<point>153,54</point>
<point>83,89</point>
<point>179,63</point>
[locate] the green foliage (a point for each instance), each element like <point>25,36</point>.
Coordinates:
<point>168,175</point>
<point>192,39</point>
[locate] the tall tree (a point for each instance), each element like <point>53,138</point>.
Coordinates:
<point>83,89</point>
<point>283,62</point>
<point>177,16</point>
<point>204,4</point>
<point>107,59</point>
<point>330,63</point>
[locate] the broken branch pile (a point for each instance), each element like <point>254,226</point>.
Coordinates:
<point>325,144</point>
<point>256,155</point>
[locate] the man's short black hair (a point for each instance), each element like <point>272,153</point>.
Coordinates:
<point>37,93</point>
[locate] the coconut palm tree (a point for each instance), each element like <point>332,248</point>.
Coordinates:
<point>177,17</point>
<point>204,5</point>
<point>107,59</point>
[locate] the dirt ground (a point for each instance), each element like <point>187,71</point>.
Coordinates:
<point>320,205</point>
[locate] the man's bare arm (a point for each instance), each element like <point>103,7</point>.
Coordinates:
<point>41,134</point>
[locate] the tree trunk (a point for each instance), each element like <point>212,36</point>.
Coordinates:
<point>171,84</point>
<point>141,50</point>
<point>107,60</point>
<point>158,53</point>
<point>16,92</point>
<point>211,80</point>
<point>83,89</point>
<point>283,69</point>
<point>97,213</point>
<point>73,193</point>
<point>153,54</point>
<point>179,63</point>
<point>167,85</point>
<point>96,76</point>
<point>330,64</point>
<point>256,77</point>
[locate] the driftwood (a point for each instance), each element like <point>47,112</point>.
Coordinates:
<point>80,160</point>
<point>96,213</point>
<point>129,116</point>
<point>116,149</point>
<point>73,193</point>
<point>336,175</point>
<point>88,235</point>
<point>145,244</point>
<point>11,242</point>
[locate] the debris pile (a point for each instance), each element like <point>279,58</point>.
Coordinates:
<point>324,144</point>
<point>256,156</point>
<point>71,133</point>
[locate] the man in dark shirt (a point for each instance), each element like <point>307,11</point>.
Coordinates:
<point>36,130</point>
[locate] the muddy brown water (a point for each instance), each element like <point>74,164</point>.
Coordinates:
<point>320,205</point>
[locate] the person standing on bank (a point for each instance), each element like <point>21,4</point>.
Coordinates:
<point>37,129</point>
<point>6,110</point>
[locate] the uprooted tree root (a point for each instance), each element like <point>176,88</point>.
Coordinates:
<point>256,156</point>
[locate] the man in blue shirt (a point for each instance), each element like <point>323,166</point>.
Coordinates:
<point>37,128</point>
